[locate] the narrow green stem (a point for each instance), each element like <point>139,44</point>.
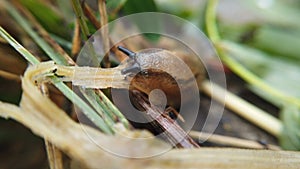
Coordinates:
<point>89,112</point>
<point>94,100</point>
<point>80,16</point>
<point>213,33</point>
<point>25,53</point>
<point>39,41</point>
<point>256,81</point>
<point>211,23</point>
<point>105,103</point>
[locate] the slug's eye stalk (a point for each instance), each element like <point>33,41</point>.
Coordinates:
<point>127,52</point>
<point>135,67</point>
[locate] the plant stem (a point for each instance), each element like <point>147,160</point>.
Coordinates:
<point>58,52</point>
<point>210,19</point>
<point>84,29</point>
<point>39,41</point>
<point>237,68</point>
<point>243,108</point>
<point>54,154</point>
<point>230,141</point>
<point>79,14</point>
<point>27,55</point>
<point>89,112</point>
<point>10,76</point>
<point>104,31</point>
<point>76,41</point>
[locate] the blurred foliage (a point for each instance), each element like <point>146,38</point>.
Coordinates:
<point>138,6</point>
<point>289,139</point>
<point>267,44</point>
<point>49,18</point>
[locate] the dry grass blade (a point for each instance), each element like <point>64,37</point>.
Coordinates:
<point>89,14</point>
<point>104,30</point>
<point>45,119</point>
<point>54,156</point>
<point>76,42</point>
<point>10,76</point>
<point>92,18</point>
<point>243,108</point>
<point>230,141</point>
<point>87,77</point>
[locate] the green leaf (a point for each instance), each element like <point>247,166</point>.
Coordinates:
<point>113,5</point>
<point>280,73</point>
<point>137,6</point>
<point>47,17</point>
<point>278,41</point>
<point>87,110</point>
<point>35,36</point>
<point>290,138</point>
<point>278,12</point>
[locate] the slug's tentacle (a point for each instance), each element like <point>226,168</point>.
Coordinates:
<point>135,68</point>
<point>127,52</point>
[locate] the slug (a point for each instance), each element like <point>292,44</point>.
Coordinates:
<point>161,69</point>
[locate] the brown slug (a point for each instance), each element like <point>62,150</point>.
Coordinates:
<point>153,69</point>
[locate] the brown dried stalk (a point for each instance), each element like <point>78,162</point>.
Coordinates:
<point>88,77</point>
<point>92,18</point>
<point>10,76</point>
<point>104,31</point>
<point>230,141</point>
<point>54,155</point>
<point>76,41</point>
<point>172,132</point>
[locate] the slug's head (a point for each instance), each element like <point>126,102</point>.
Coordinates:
<point>157,69</point>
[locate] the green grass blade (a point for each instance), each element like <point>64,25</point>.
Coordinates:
<point>56,57</point>
<point>88,111</point>
<point>27,55</point>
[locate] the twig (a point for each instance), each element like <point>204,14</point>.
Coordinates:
<point>10,76</point>
<point>76,42</point>
<point>91,17</point>
<point>230,141</point>
<point>172,132</point>
<point>243,108</point>
<point>104,31</point>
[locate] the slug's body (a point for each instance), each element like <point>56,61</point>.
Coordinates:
<point>160,69</point>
